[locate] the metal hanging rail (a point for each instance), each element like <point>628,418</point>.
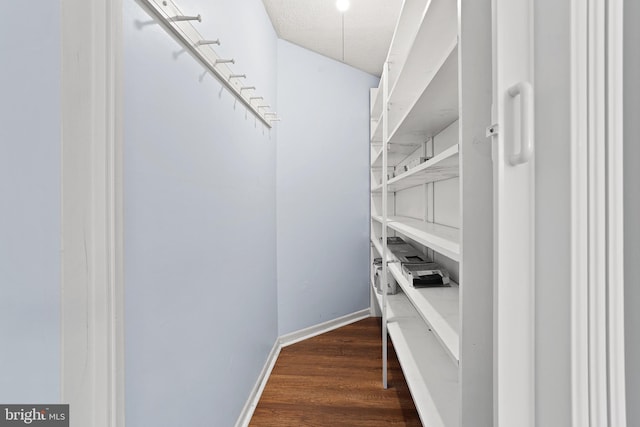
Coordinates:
<point>182,28</point>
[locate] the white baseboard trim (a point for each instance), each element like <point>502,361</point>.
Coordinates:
<point>284,341</point>
<point>258,388</point>
<point>312,331</point>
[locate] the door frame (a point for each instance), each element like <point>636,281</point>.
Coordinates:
<point>92,293</point>
<point>597,251</point>
<point>513,155</point>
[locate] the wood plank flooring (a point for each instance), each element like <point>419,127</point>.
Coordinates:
<point>335,379</point>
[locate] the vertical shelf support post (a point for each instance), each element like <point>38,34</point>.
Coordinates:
<point>385,214</point>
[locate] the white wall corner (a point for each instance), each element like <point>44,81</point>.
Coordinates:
<point>283,341</point>
<point>321,328</point>
<point>254,397</point>
<point>92,335</point>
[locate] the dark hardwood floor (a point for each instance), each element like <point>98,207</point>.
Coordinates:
<point>335,379</point>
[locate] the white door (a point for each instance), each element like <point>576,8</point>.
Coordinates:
<point>513,158</point>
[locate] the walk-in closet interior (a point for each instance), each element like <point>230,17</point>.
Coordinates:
<point>191,188</point>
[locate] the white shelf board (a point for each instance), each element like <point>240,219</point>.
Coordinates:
<point>429,372</point>
<point>376,101</point>
<point>411,16</point>
<point>377,245</point>
<point>438,307</point>
<point>391,298</point>
<point>442,166</point>
<point>432,110</point>
<point>378,296</point>
<point>373,93</point>
<point>376,153</point>
<point>440,238</point>
<point>395,154</point>
<point>376,130</point>
<point>433,41</point>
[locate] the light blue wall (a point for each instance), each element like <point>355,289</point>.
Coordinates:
<point>200,220</point>
<point>323,188</point>
<point>30,45</point>
<point>632,207</point>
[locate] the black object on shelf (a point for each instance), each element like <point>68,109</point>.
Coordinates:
<point>428,274</point>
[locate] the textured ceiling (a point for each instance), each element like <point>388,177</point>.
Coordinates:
<point>317,25</point>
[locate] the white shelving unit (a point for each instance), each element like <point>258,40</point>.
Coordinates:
<point>443,166</point>
<point>429,106</point>
<point>438,307</point>
<point>441,238</point>
<point>434,384</point>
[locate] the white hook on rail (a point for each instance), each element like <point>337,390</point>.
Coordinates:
<point>186,18</point>
<point>188,35</point>
<point>205,42</point>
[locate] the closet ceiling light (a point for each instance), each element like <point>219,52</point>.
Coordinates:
<point>368,26</point>
<point>342,5</point>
